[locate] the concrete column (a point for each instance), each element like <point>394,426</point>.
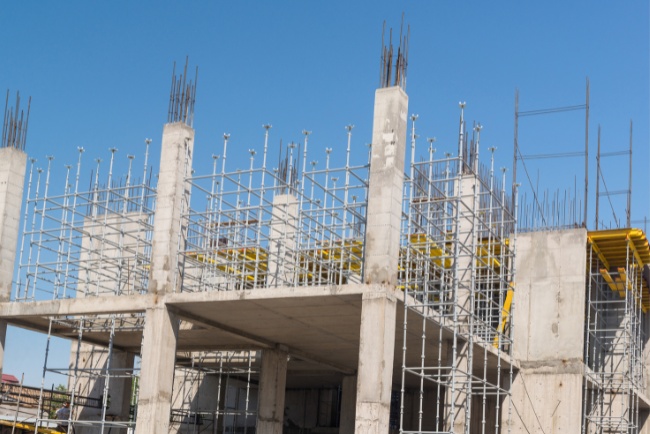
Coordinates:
<point>376,354</point>
<point>273,379</point>
<point>161,326</point>
<point>385,187</point>
<point>549,328</point>
<point>172,198</point>
<point>12,179</point>
<point>157,371</point>
<point>348,404</point>
<point>282,240</point>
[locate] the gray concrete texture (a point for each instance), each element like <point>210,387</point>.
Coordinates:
<point>12,177</point>
<point>172,199</point>
<point>12,174</point>
<point>161,326</point>
<point>386,181</point>
<point>549,319</point>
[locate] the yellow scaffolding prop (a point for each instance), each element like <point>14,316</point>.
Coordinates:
<point>505,315</point>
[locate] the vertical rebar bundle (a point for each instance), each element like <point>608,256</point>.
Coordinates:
<point>393,65</point>
<point>182,97</point>
<point>15,123</point>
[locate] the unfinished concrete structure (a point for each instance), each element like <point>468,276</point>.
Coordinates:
<point>370,298</point>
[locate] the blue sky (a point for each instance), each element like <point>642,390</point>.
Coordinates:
<point>99,75</point>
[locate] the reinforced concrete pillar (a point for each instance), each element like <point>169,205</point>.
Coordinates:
<point>12,179</point>
<point>172,199</point>
<point>161,325</point>
<point>348,404</point>
<point>549,328</point>
<point>273,379</point>
<point>282,240</point>
<point>385,188</point>
<point>381,255</point>
<point>376,354</point>
<point>157,371</point>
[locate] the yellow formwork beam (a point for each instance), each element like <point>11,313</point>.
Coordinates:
<point>598,253</point>
<point>627,249</point>
<point>614,245</point>
<point>614,286</point>
<point>635,252</point>
<point>622,285</point>
<point>491,249</point>
<point>630,287</point>
<point>424,245</point>
<point>29,427</point>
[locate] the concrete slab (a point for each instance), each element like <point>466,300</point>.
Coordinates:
<point>319,325</point>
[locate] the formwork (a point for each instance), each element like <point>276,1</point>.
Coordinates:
<point>615,330</point>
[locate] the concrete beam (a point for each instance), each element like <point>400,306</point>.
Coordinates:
<point>266,294</point>
<point>257,341</point>
<point>78,306</point>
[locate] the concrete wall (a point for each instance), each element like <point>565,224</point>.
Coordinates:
<point>112,248</point>
<point>92,363</point>
<point>549,326</point>
<point>221,400</point>
<point>311,408</point>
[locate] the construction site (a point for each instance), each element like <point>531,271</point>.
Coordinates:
<point>407,291</point>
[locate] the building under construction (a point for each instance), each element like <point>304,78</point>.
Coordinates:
<point>394,295</point>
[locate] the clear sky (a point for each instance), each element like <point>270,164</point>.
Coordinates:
<point>99,75</point>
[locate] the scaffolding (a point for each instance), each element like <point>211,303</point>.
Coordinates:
<point>216,392</point>
<point>457,271</point>
<point>617,303</point>
<point>84,243</point>
<point>68,234</point>
<point>99,380</point>
<point>291,225</point>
